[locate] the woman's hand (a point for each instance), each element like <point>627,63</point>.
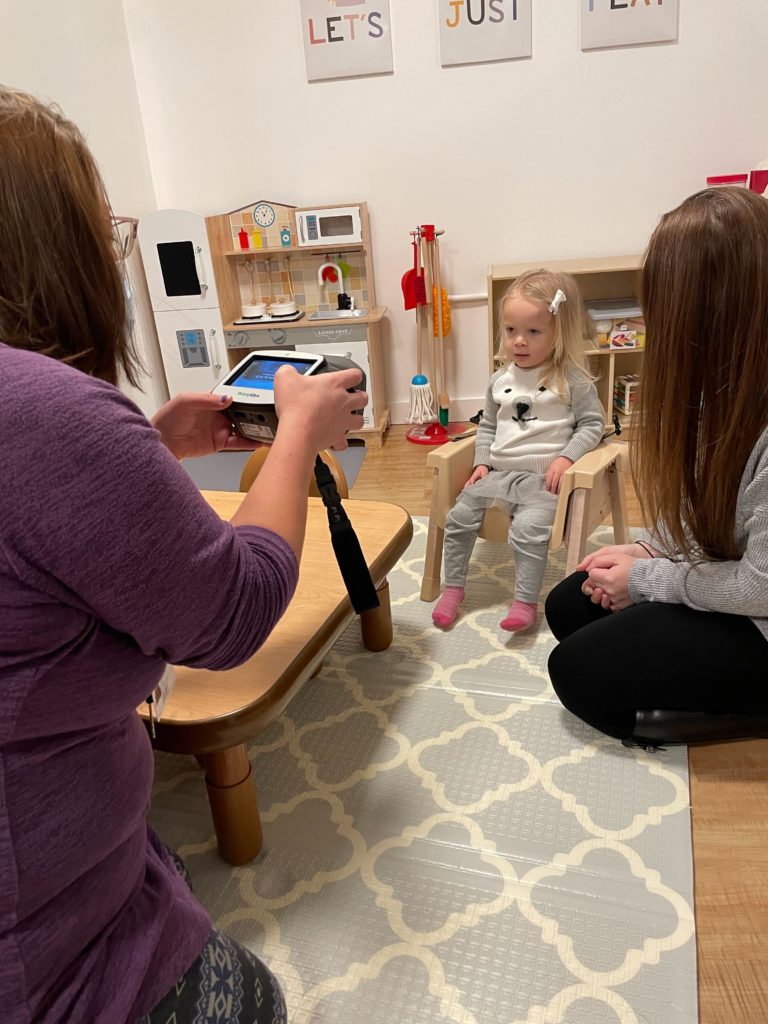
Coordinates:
<point>477,474</point>
<point>608,580</point>
<point>320,408</point>
<point>192,425</point>
<point>554,475</point>
<point>613,550</point>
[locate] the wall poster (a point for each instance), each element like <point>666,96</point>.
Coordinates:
<point>346,38</point>
<point>627,22</point>
<point>474,31</point>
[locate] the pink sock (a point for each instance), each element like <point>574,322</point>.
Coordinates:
<point>521,615</point>
<point>447,608</point>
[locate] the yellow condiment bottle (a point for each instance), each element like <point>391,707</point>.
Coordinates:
<point>258,242</point>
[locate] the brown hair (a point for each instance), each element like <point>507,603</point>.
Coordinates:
<point>703,406</point>
<point>573,328</point>
<point>61,290</point>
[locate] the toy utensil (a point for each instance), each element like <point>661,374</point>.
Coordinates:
<point>424,327</point>
<point>250,268</point>
<point>408,281</point>
<point>441,308</point>
<point>420,285</point>
<point>436,433</point>
<point>443,402</point>
<point>422,399</point>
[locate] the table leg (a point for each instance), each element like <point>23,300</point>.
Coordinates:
<point>234,804</point>
<point>376,625</point>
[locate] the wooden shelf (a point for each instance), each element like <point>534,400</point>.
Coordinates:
<point>612,351</point>
<point>592,265</point>
<point>293,250</point>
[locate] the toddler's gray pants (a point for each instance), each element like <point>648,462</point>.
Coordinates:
<point>529,534</point>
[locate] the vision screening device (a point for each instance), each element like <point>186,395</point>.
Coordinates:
<point>251,385</point>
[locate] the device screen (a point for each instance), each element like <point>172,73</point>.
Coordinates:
<point>260,372</point>
<point>177,263</point>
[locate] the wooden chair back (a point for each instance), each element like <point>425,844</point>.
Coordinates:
<point>253,466</point>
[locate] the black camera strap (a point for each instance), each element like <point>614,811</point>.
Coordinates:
<point>346,546</point>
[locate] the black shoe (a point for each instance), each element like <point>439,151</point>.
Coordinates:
<point>659,729</point>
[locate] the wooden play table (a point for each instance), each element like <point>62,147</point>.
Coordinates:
<point>214,715</point>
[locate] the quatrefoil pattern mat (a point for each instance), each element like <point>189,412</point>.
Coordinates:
<point>444,844</point>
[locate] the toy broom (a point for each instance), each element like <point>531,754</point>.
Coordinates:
<point>415,296</point>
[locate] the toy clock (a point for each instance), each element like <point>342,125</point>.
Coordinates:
<point>264,215</point>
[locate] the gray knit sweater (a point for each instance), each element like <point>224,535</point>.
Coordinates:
<point>739,587</point>
<point>548,429</point>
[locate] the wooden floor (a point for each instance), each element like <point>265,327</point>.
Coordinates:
<point>729,795</point>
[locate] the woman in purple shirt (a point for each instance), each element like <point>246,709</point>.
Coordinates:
<point>112,566</point>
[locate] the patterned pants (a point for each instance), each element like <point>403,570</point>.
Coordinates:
<point>227,984</point>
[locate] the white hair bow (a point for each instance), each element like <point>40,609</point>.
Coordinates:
<point>555,303</point>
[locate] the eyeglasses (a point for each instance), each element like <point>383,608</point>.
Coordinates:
<point>124,236</point>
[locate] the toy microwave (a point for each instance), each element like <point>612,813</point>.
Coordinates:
<point>341,225</point>
<point>251,385</point>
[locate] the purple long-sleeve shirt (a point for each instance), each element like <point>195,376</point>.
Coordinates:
<point>111,565</point>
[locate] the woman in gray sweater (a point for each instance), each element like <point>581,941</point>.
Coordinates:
<point>665,640</point>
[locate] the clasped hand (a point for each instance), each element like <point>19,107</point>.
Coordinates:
<point>608,571</point>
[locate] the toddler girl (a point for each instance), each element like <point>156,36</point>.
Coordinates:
<point>541,414</point>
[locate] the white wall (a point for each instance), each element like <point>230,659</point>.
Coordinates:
<point>76,54</point>
<point>565,155</point>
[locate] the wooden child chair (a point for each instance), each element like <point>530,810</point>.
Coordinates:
<point>591,490</point>
<point>253,466</point>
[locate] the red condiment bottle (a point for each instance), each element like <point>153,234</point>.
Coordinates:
<point>243,236</point>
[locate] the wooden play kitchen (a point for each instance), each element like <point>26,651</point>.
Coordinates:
<point>302,279</point>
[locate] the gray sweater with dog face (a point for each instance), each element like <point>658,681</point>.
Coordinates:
<point>738,587</point>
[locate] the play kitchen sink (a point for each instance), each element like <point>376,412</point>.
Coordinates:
<point>336,314</point>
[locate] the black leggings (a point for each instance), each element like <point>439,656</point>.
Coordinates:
<point>651,656</point>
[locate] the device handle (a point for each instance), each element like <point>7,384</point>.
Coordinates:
<point>214,350</point>
<point>199,269</point>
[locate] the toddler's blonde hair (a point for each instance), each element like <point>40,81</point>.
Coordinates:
<point>574,329</point>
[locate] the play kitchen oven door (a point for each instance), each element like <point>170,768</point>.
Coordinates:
<point>177,262</point>
<point>335,225</point>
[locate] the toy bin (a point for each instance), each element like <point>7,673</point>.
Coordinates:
<point>618,323</point>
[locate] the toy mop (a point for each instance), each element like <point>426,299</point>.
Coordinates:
<point>436,328</point>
